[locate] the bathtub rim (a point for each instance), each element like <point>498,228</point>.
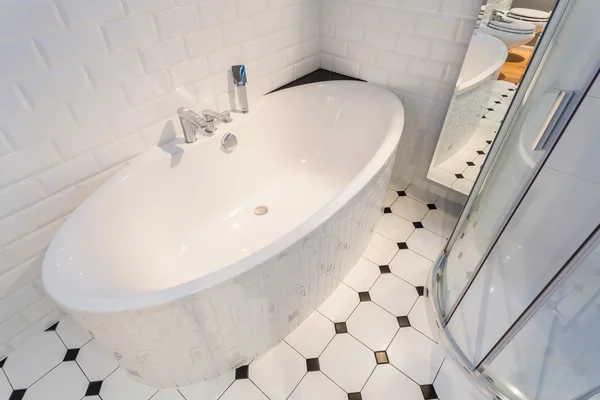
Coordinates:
<point>75,302</point>
<point>464,86</point>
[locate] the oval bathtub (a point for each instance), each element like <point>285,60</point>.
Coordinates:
<point>170,268</point>
<point>481,66</point>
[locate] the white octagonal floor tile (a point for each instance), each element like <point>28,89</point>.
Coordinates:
<point>395,228</point>
<point>95,361</point>
<point>380,250</point>
<point>72,333</point>
<point>426,243</point>
<point>316,386</point>
<point>439,222</point>
<point>242,389</point>
<point>411,267</point>
<point>340,304</point>
<point>34,359</point>
<point>347,362</point>
<point>166,394</point>
<point>119,386</point>
<point>471,174</point>
<point>312,336</point>
<point>387,383</point>
<point>208,390</point>
<point>390,197</point>
<point>65,382</point>
<point>418,318</point>
<point>453,165</point>
<point>393,294</point>
<point>277,372</point>
<point>372,325</point>
<point>452,384</point>
<point>416,355</point>
<point>363,275</point>
<point>409,208</point>
<point>5,388</point>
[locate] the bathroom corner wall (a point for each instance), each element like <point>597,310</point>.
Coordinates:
<point>413,47</point>
<point>87,85</point>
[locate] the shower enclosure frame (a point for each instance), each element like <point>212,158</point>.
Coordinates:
<point>557,125</point>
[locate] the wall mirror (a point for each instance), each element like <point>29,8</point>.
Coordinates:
<point>503,42</point>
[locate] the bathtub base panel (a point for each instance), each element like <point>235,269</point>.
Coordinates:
<point>212,332</point>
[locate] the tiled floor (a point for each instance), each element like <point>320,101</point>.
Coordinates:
<point>369,341</point>
<point>460,171</point>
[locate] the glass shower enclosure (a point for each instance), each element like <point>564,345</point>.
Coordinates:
<point>515,295</point>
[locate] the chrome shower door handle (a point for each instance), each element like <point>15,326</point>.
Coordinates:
<point>554,114</point>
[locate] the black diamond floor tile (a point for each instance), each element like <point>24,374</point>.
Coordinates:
<point>417,225</point>
<point>385,269</point>
<point>420,290</point>
<point>241,372</point>
<point>387,210</point>
<point>490,109</point>
<point>381,357</point>
<point>402,246</point>
<point>354,396</point>
<point>312,364</point>
<point>470,163</point>
<point>428,392</point>
<point>364,296</point>
<point>17,394</point>
<point>403,321</point>
<point>340,327</point>
<point>480,152</point>
<point>2,362</point>
<point>52,328</point>
<point>401,193</point>
<point>459,176</point>
<point>93,388</point>
<point>71,355</point>
<point>488,141</point>
<point>432,206</point>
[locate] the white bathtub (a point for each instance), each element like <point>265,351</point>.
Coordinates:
<point>483,60</point>
<point>169,267</point>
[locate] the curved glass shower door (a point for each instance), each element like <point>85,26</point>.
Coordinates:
<point>510,290</point>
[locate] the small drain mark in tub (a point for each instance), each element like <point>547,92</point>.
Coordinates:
<point>261,210</point>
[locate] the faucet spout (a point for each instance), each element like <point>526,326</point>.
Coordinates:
<point>190,123</point>
<point>239,79</point>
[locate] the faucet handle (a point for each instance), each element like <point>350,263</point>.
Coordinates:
<point>239,75</point>
<point>227,116</point>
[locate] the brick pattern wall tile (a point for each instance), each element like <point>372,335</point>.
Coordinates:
<point>206,334</point>
<point>91,84</point>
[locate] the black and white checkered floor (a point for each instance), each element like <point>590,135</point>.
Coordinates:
<point>460,171</point>
<point>370,340</point>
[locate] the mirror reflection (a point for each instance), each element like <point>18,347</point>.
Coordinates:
<point>503,41</point>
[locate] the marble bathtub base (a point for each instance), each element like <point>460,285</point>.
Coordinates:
<point>215,331</point>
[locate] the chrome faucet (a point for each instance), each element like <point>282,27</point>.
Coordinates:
<point>190,123</point>
<point>211,118</point>
<point>240,80</point>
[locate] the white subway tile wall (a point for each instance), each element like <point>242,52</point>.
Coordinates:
<point>413,47</point>
<point>87,85</point>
